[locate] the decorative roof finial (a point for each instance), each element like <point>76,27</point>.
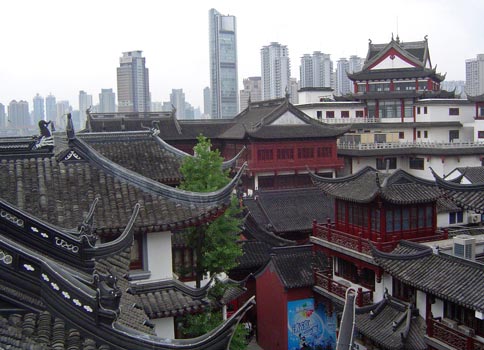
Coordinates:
<point>369,41</point>
<point>287,94</point>
<point>392,36</point>
<point>426,37</point>
<point>70,128</point>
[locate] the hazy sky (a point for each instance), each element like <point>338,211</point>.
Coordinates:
<point>63,46</point>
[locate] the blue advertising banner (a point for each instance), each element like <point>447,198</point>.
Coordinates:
<point>310,328</point>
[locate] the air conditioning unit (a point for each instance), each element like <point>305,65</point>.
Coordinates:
<point>465,247</point>
<point>474,218</point>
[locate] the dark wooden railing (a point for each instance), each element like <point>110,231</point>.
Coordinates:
<point>323,280</point>
<point>327,232</point>
<point>453,337</point>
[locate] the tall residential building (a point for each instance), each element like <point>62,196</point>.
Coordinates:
<point>62,108</point>
<point>38,113</point>
<point>18,114</point>
<point>85,102</point>
<point>133,83</point>
<point>475,76</point>
<point>207,107</point>
<point>293,91</point>
<point>252,89</point>
<point>223,65</point>
<point>276,71</point>
<point>316,70</point>
<point>3,117</point>
<point>343,83</point>
<point>50,108</point>
<point>107,101</point>
<point>177,99</point>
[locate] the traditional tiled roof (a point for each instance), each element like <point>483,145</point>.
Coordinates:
<point>392,325</point>
<point>407,73</point>
<point>447,277</point>
<point>137,151</point>
<point>289,209</point>
<point>477,98</point>
<point>364,186</point>
<point>294,265</point>
<point>255,254</point>
<point>466,196</point>
<point>474,174</point>
<point>415,51</point>
<point>169,298</point>
<point>252,122</point>
<point>43,331</point>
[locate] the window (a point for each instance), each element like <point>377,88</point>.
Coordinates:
<point>418,110</point>
<point>416,163</point>
<point>402,291</point>
<point>319,115</point>
<point>324,152</point>
<point>425,110</point>
<point>329,114</point>
<point>359,114</point>
<point>264,154</point>
<point>419,134</point>
<point>426,134</point>
<point>453,135</point>
<point>401,135</point>
<point>381,163</point>
<point>453,111</point>
<point>456,218</point>
<point>345,114</point>
<point>304,153</point>
<point>285,153</point>
<point>480,134</point>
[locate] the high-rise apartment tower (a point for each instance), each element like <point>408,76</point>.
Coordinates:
<point>133,83</point>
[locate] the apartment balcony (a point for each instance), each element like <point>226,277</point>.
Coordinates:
<point>358,120</point>
<point>447,332</point>
<point>358,243</point>
<point>403,145</point>
<point>324,281</point>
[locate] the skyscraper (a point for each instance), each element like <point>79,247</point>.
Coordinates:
<point>206,101</point>
<point>85,102</point>
<point>107,101</point>
<point>316,70</point>
<point>276,70</point>
<point>475,76</point>
<point>3,117</point>
<point>38,112</point>
<point>62,109</point>
<point>177,99</point>
<point>252,89</point>
<point>133,83</point>
<point>18,114</point>
<point>343,83</point>
<point>223,65</point>
<point>50,108</point>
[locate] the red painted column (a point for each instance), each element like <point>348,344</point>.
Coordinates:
<point>355,85</point>
<point>367,86</point>
<point>429,85</point>
<point>392,86</point>
<point>377,109</point>
<point>416,84</point>
<point>402,110</point>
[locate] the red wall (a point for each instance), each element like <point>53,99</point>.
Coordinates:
<point>271,300</point>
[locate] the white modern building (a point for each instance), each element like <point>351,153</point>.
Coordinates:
<point>316,70</point>
<point>50,108</point>
<point>85,103</point>
<point>177,100</point>
<point>475,76</point>
<point>133,83</point>
<point>38,112</point>
<point>276,71</point>
<point>18,114</point>
<point>107,101</point>
<point>223,65</point>
<point>252,90</point>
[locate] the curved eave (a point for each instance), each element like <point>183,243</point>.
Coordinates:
<point>217,339</point>
<point>421,252</point>
<point>215,198</point>
<point>125,240</point>
<point>451,185</point>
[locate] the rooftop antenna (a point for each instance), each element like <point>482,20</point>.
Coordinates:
<point>398,37</point>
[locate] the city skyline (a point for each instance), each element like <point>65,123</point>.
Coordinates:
<point>181,60</point>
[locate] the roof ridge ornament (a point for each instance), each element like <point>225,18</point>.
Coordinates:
<point>70,127</point>
<point>86,227</point>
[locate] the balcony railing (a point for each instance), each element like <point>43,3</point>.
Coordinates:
<point>351,120</point>
<point>454,337</point>
<point>324,281</point>
<point>400,145</point>
<point>357,243</point>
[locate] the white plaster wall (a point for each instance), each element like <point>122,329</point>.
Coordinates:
<point>313,96</point>
<point>478,126</point>
<point>288,119</point>
<point>438,308</point>
<point>164,327</point>
<point>421,296</point>
<point>440,112</point>
<point>386,282</point>
<point>388,63</point>
<point>159,255</point>
<point>352,107</point>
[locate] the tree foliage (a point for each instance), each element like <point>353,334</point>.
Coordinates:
<point>215,244</point>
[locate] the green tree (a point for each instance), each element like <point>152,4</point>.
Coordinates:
<point>214,244</point>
